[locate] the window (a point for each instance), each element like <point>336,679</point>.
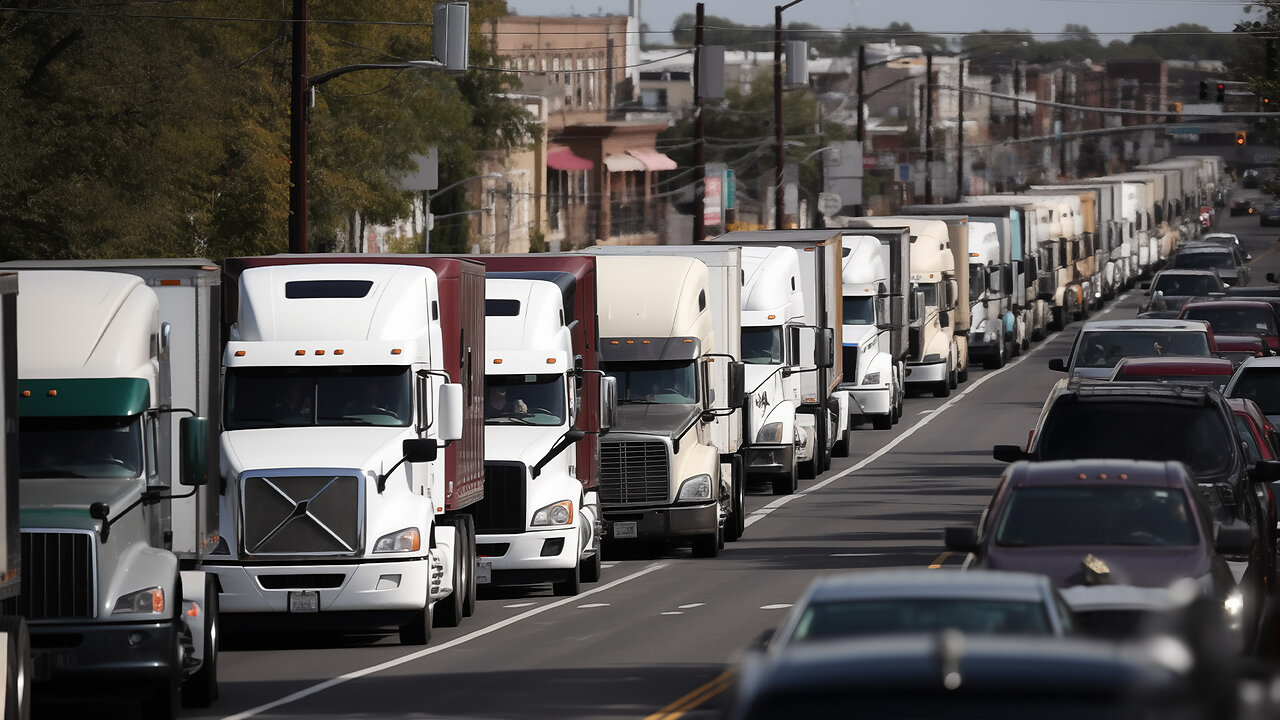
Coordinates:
<point>82,447</point>
<point>258,398</point>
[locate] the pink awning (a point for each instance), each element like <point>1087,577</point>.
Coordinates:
<point>653,160</point>
<point>563,159</point>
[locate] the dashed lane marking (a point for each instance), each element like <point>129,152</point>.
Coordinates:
<point>777,606</point>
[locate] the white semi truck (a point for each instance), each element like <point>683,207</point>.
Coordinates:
<point>875,279</point>
<point>660,466</point>
<point>118,479</point>
<point>344,376</point>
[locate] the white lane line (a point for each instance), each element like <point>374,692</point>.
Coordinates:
<point>932,415</point>
<point>356,674</point>
<point>592,605</point>
<point>856,554</point>
<point>776,606</point>
<point>673,612</point>
<point>690,606</point>
<point>519,605</point>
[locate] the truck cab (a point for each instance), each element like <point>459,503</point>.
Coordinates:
<point>874,276</point>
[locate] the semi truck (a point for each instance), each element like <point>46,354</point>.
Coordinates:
<point>724,299</point>
<point>17,669</point>
<point>823,414</point>
<point>875,280</point>
<point>353,441</point>
<point>118,479</point>
<point>660,466</point>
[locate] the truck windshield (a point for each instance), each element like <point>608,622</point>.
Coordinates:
<point>1197,435</point>
<point>859,310</point>
<point>1096,515</point>
<point>763,345</point>
<point>91,447</point>
<point>524,399</point>
<point>299,396</point>
<point>930,293</point>
<point>661,383</point>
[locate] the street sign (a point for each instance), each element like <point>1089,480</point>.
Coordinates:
<point>904,172</point>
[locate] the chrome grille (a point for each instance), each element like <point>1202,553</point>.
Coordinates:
<point>316,512</point>
<point>57,576</point>
<point>633,472</point>
<point>503,508</point>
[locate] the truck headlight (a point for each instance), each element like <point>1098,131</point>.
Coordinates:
<point>560,513</point>
<point>697,487</point>
<point>770,433</point>
<point>406,540</point>
<point>138,602</point>
<point>871,379</point>
<point>1234,607</point>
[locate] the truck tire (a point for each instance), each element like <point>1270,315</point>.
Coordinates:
<point>943,388</point>
<point>737,522</point>
<point>449,610</point>
<point>786,484</point>
<point>418,630</point>
<point>467,523</point>
<point>17,698</point>
<point>842,446</point>
<point>164,701</point>
<point>591,568</point>
<point>201,689</point>
<point>708,546</point>
<point>571,585</point>
<point>882,422</point>
<point>996,360</point>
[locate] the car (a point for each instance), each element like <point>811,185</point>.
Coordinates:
<point>1101,343</point>
<point>909,600</point>
<point>1108,522</point>
<point>1224,238</point>
<point>1238,348</point>
<point>1170,289</point>
<point>1230,262</point>
<point>1250,180</point>
<point>1241,207</point>
<point>1259,434</point>
<point>1237,317</point>
<point>1203,370</point>
<point>1191,424</point>
<point>1270,215</point>
<point>1259,380</point>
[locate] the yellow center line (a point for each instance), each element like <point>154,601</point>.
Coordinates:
<point>696,697</point>
<point>937,562</point>
<point>1263,254</point>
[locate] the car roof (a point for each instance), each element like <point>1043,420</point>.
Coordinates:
<point>1187,271</point>
<point>1195,248</point>
<point>1270,361</point>
<point>904,583</point>
<point>1246,406</point>
<point>1109,472</point>
<point>1228,304</point>
<point>1089,389</point>
<point>1175,365</point>
<point>1152,324</point>
<point>1223,235</point>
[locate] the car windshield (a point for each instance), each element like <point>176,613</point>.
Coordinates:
<point>1204,261</point>
<point>848,618</point>
<point>859,310</point>
<point>1128,428</point>
<point>1225,321</point>
<point>298,396</point>
<point>1103,349</point>
<point>91,447</point>
<point>660,383</point>
<point>763,345</point>
<point>1096,515</point>
<point>1173,284</point>
<point>1261,385</point>
<point>524,399</point>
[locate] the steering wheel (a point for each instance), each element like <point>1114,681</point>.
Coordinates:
<point>670,391</point>
<point>540,410</point>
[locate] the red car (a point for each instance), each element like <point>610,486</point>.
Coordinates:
<point>1238,348</point>
<point>1260,437</point>
<point>1237,317</point>
<point>1213,371</point>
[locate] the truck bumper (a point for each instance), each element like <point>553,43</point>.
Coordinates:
<point>529,557</point>
<point>870,400</point>
<point>926,373</point>
<point>769,459</point>
<point>663,522</point>
<point>374,586</point>
<point>100,656</point>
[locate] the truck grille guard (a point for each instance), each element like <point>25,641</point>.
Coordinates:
<point>634,472</point>
<point>308,513</point>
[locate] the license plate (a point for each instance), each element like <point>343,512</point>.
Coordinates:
<point>484,572</point>
<point>623,530</point>
<point>304,601</point>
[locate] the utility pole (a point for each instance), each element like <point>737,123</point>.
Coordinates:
<point>1017,114</point>
<point>960,131</point>
<point>780,155</point>
<point>298,106</point>
<point>1062,126</point>
<point>862,132</point>
<point>699,134</point>
<point>928,129</point>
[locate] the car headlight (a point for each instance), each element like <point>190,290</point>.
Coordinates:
<point>150,600</point>
<point>697,487</point>
<point>770,433</point>
<point>871,379</point>
<point>406,540</point>
<point>560,513</point>
<point>1234,607</point>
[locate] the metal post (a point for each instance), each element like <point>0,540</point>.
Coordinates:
<point>299,92</point>
<point>780,156</point>
<point>426,221</point>
<point>862,132</point>
<point>960,131</point>
<point>1062,126</point>
<point>700,135</point>
<point>928,129</point>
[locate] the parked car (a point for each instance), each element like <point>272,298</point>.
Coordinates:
<point>1242,207</point>
<point>874,602</point>
<point>1230,262</point>
<point>1213,371</point>
<point>1237,317</point>
<point>1238,348</point>
<point>1108,522</point>
<point>1170,289</point>
<point>1190,424</point>
<point>1102,343</point>
<point>1270,215</point>
<point>1259,380</point>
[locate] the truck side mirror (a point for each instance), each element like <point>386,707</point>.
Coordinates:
<point>995,282</point>
<point>1008,453</point>
<point>419,450</point>
<point>953,293</point>
<point>1234,539</point>
<point>1006,278</point>
<point>193,460</point>
<point>608,402</point>
<point>944,320</point>
<point>824,348</point>
<point>449,406</point>
<point>917,307</point>
<point>737,384</point>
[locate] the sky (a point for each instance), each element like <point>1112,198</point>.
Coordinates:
<point>1108,19</point>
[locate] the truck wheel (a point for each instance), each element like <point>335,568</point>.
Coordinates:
<point>881,422</point>
<point>996,361</point>
<point>17,698</point>
<point>591,568</point>
<point>468,523</point>
<point>572,584</point>
<point>165,701</point>
<point>201,689</point>
<point>418,630</point>
<point>737,522</point>
<point>451,608</point>
<point>708,546</point>
<point>943,388</point>
<point>786,484</point>
<point>841,448</point>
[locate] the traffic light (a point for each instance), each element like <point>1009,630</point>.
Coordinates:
<point>1204,89</point>
<point>1240,137</point>
<point>1222,92</point>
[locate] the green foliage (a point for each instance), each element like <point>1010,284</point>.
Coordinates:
<point>1250,65</point>
<point>537,242</point>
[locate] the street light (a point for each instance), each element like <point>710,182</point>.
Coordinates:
<point>428,219</point>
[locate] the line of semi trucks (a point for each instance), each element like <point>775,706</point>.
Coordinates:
<point>364,441</point>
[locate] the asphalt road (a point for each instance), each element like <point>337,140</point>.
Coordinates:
<point>655,637</point>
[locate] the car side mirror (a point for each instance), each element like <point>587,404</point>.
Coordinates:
<point>1058,364</point>
<point>960,539</point>
<point>1265,471</point>
<point>1233,539</point>
<point>1009,453</point>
